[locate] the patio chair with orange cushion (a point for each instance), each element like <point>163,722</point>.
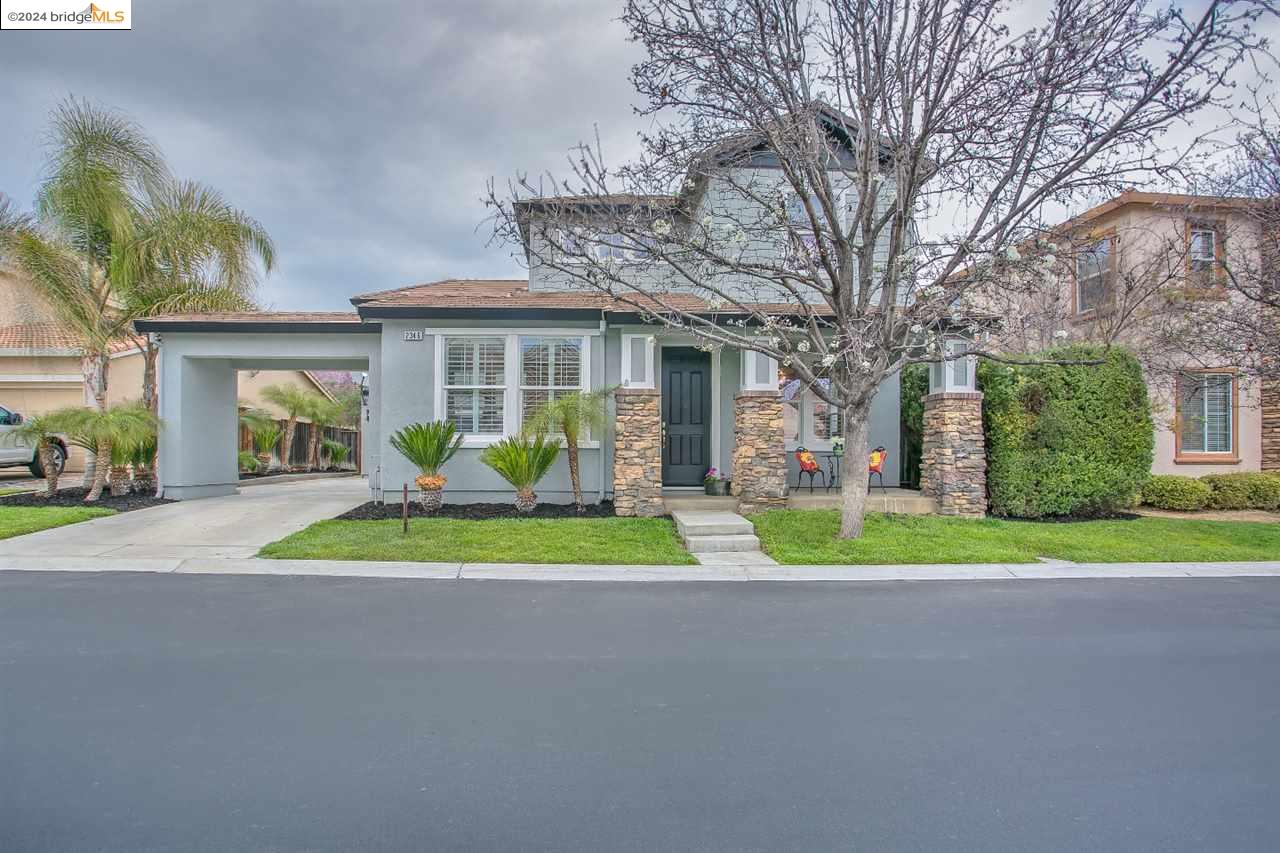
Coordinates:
<point>875,467</point>
<point>809,465</point>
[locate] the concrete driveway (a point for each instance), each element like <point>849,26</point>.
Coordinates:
<point>231,526</point>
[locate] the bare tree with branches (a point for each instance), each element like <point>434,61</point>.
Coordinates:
<point>791,197</point>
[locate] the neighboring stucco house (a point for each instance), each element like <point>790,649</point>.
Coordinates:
<point>40,366</point>
<point>484,353</point>
<point>1129,266</point>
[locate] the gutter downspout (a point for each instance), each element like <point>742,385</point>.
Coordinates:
<point>604,376</point>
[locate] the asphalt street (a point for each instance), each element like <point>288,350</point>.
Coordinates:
<point>226,713</point>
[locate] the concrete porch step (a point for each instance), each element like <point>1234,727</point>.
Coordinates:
<point>721,544</point>
<point>700,523</point>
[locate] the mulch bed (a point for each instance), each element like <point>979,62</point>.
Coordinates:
<point>374,511</point>
<point>245,475</point>
<point>75,497</point>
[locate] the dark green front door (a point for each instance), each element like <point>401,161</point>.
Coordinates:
<point>686,415</point>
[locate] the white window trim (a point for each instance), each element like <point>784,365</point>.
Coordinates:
<point>805,436</point>
<point>1203,378</point>
<point>511,414</point>
<point>629,381</point>
<point>750,359</point>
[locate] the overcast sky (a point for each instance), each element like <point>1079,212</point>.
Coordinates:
<point>360,134</point>
<point>361,139</point>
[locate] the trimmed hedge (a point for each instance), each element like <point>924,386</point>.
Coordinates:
<point>1243,491</point>
<point>1066,440</point>
<point>1172,491</point>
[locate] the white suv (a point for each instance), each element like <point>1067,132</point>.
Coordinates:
<point>16,452</point>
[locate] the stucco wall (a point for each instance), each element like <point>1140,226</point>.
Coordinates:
<point>408,396</point>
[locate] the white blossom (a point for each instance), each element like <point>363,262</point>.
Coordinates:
<point>1060,334</point>
<point>1013,254</point>
<point>662,228</point>
<point>916,328</point>
<point>803,346</point>
<point>828,360</point>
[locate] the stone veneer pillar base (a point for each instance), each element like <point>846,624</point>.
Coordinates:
<point>759,453</point>
<point>1271,424</point>
<point>637,453</point>
<point>953,463</point>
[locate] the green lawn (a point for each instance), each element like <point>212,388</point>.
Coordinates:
<point>611,541</point>
<point>17,520</point>
<point>805,537</point>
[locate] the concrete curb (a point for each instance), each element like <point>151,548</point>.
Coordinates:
<point>538,572</point>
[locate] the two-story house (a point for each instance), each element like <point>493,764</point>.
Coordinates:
<point>1136,271</point>
<point>484,353</point>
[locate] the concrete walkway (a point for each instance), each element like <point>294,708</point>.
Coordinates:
<point>530,571</point>
<point>234,526</point>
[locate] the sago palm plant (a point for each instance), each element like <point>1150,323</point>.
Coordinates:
<point>144,465</point>
<point>428,446</point>
<point>573,415</point>
<point>522,461</point>
<point>336,452</point>
<point>38,432</point>
<point>265,439</point>
<point>125,425</point>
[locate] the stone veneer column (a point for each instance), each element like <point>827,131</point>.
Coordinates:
<point>637,453</point>
<point>1271,424</point>
<point>953,463</point>
<point>759,454</point>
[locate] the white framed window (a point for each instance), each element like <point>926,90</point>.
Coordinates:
<point>637,361</point>
<point>486,380</point>
<point>956,371</point>
<point>807,419</point>
<point>1093,274</point>
<point>475,384</point>
<point>549,367</point>
<point>583,246</point>
<point>759,371</point>
<point>1206,413</point>
<point>1202,260</point>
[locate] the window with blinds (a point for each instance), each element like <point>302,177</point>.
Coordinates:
<point>1203,260</point>
<point>549,368</point>
<point>475,384</point>
<point>1205,412</point>
<point>1093,271</point>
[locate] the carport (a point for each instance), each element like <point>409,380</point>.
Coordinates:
<point>199,358</point>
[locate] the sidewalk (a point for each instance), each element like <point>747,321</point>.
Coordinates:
<point>527,571</point>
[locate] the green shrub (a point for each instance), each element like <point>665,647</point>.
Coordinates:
<point>1243,491</point>
<point>1066,439</point>
<point>248,462</point>
<point>914,379</point>
<point>1171,491</point>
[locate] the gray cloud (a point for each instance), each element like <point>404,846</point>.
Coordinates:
<point>360,134</point>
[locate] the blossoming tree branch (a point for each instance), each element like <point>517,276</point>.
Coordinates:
<point>842,186</point>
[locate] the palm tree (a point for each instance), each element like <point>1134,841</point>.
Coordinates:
<point>323,413</point>
<point>295,401</point>
<point>191,252</point>
<point>522,461</point>
<point>572,415</point>
<point>115,239</point>
<point>122,427</point>
<point>39,432</point>
<point>144,465</point>
<point>429,446</point>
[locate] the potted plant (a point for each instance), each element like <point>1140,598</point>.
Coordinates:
<point>522,461</point>
<point>714,483</point>
<point>264,441</point>
<point>429,446</point>
<point>144,466</point>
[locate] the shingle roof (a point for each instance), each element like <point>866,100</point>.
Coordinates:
<point>48,336</point>
<point>262,321</point>
<point>515,293</point>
